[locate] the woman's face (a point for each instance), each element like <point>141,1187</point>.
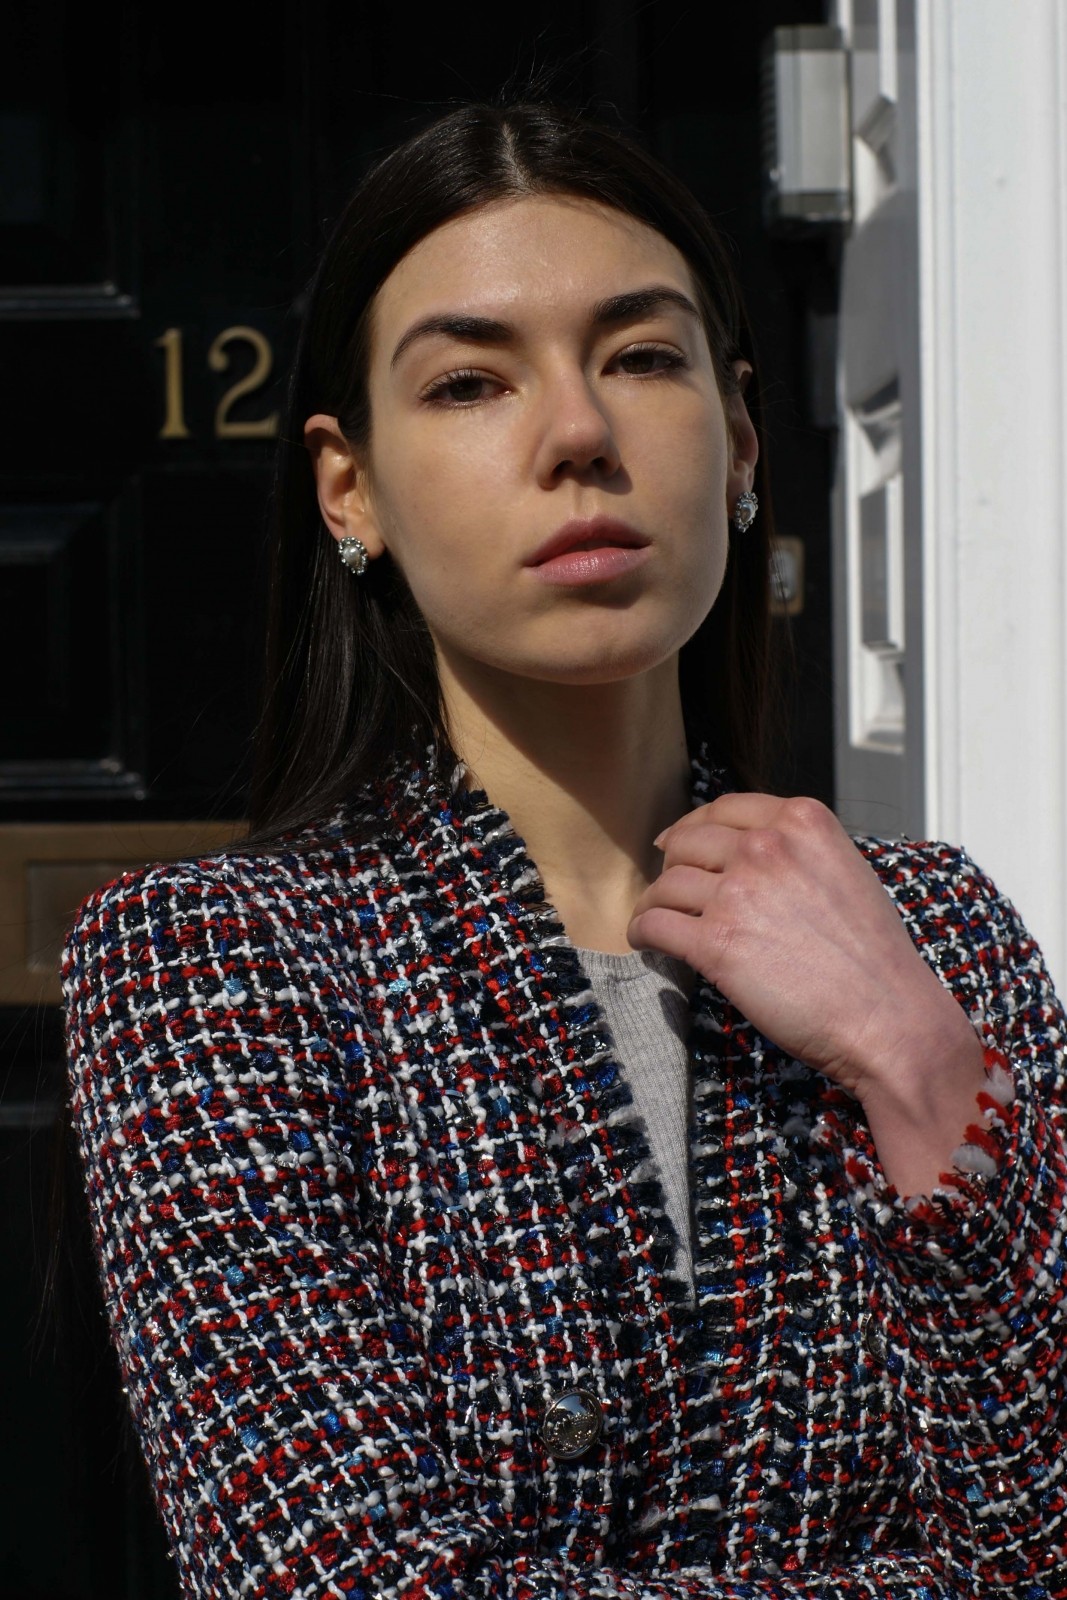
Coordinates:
<point>551,462</point>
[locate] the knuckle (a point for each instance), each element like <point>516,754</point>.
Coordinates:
<point>807,815</point>
<point>762,846</point>
<point>677,872</point>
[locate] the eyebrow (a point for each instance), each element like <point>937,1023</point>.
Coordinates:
<point>616,309</point>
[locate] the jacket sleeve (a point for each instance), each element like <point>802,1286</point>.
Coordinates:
<point>282,1402</point>
<point>976,1275</point>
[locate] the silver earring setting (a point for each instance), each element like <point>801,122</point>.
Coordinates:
<point>353,553</point>
<point>745,510</point>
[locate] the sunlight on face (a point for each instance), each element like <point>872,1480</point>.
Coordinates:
<point>538,363</point>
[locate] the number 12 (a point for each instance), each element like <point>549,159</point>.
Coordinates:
<point>218,359</point>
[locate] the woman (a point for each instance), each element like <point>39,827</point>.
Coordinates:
<point>444,1256</point>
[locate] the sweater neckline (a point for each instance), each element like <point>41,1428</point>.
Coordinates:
<point>631,966</point>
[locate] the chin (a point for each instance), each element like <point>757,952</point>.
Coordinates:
<point>585,648</point>
<point>578,665</point>
<point>608,648</point>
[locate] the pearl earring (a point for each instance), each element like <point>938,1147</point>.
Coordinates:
<point>353,553</point>
<point>745,511</point>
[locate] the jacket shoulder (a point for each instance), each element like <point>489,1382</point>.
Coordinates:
<point>928,878</point>
<point>900,859</point>
<point>244,909</point>
<point>969,931</point>
<point>155,894</point>
<point>262,885</point>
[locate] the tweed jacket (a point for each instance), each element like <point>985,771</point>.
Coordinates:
<point>370,1198</point>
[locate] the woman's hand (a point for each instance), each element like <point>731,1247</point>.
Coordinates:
<point>771,901</point>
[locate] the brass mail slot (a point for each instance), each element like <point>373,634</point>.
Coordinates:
<point>46,871</point>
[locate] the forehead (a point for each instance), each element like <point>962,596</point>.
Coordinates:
<point>558,252</point>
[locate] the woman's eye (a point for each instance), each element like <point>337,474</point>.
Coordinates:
<point>459,388</point>
<point>649,360</point>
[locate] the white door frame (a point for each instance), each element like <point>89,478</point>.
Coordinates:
<point>985,752</point>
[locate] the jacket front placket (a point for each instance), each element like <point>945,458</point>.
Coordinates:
<point>704,1405</point>
<point>608,1326</point>
<point>630,1332</point>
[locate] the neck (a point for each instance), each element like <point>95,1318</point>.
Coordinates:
<point>588,775</point>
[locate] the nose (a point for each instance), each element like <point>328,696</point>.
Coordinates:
<point>577,436</point>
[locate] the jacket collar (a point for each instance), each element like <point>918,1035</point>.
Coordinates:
<point>417,796</point>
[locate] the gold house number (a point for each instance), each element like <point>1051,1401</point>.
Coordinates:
<point>218,359</point>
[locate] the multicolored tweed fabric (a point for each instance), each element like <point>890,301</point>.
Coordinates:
<point>368,1190</point>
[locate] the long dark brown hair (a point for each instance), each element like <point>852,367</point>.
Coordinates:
<point>351,680</point>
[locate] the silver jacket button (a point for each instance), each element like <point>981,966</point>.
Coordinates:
<point>572,1424</point>
<point>873,1338</point>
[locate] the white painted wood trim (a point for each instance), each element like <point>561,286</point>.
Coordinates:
<point>992,188</point>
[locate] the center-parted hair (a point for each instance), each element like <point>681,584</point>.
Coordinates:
<point>351,681</point>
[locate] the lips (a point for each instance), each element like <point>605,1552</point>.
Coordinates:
<point>591,533</point>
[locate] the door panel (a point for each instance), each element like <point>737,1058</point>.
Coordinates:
<point>67,233</point>
<point>170,189</point>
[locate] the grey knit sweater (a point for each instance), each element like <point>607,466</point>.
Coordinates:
<point>644,996</point>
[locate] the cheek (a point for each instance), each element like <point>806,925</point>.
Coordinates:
<point>421,510</point>
<point>701,459</point>
<point>690,466</point>
<point>696,461</point>
<point>446,511</point>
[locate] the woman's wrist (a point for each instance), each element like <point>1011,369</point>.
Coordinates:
<point>918,1113</point>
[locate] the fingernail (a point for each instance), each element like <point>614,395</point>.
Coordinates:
<point>657,843</point>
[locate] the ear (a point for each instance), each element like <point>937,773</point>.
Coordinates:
<point>743,443</point>
<point>341,480</point>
